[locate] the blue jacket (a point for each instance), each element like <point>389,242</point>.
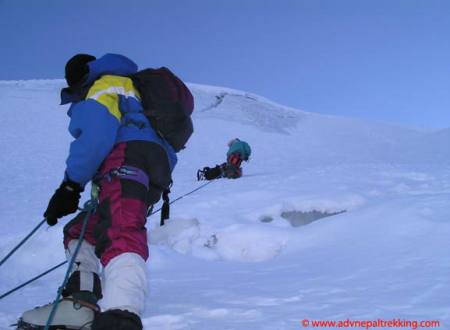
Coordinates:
<point>110,113</point>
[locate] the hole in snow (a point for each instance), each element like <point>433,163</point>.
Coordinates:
<point>299,218</point>
<point>266,218</point>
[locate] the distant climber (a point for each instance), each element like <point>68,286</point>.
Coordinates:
<point>238,151</point>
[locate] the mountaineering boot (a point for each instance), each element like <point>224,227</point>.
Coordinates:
<point>116,319</point>
<point>70,314</point>
<point>75,311</point>
<point>77,308</point>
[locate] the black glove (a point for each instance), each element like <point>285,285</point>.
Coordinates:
<point>63,202</point>
<point>210,173</point>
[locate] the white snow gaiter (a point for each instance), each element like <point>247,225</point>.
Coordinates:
<point>125,283</point>
<point>84,275</point>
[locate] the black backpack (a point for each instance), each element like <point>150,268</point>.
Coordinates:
<point>167,103</point>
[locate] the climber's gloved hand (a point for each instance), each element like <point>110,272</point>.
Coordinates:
<point>210,173</point>
<point>63,202</point>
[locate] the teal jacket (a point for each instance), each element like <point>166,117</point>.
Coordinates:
<point>241,147</point>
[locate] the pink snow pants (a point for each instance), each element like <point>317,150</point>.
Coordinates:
<point>118,224</point>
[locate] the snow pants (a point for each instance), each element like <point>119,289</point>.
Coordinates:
<point>116,232</point>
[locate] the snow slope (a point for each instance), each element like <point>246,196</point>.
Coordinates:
<point>228,258</point>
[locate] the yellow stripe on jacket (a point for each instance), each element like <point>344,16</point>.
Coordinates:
<point>107,90</point>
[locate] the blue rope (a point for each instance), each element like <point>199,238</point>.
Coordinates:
<point>22,242</point>
<point>180,197</point>
<point>191,192</point>
<point>89,206</point>
<point>32,280</point>
<point>63,263</point>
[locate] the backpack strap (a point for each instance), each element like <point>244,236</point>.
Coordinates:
<point>165,209</point>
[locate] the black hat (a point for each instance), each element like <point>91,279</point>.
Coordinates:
<point>77,68</point>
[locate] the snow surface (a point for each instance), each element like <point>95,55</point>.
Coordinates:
<point>227,259</point>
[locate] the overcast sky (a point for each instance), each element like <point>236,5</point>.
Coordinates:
<point>386,60</point>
